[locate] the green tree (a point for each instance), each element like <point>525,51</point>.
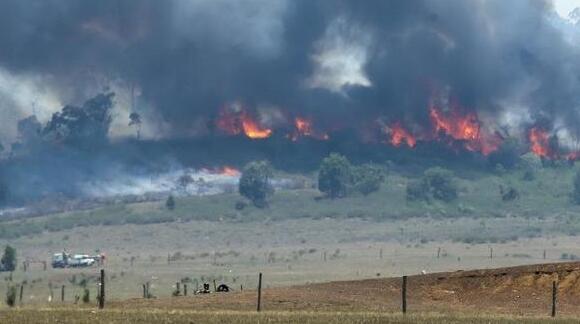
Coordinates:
<point>170,203</point>
<point>576,192</point>
<point>368,178</point>
<point>436,183</point>
<point>255,183</point>
<point>335,176</point>
<point>441,184</point>
<point>417,190</point>
<point>8,260</point>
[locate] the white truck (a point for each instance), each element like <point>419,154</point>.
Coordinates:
<point>66,260</point>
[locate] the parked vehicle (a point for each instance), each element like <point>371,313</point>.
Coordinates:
<point>66,260</point>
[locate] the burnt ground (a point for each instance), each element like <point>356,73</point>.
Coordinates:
<point>522,290</point>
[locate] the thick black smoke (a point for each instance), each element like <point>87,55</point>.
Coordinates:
<point>190,57</point>
<point>341,62</point>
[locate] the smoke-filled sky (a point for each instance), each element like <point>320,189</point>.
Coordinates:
<point>177,62</point>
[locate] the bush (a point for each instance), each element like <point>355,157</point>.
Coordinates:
<point>255,183</point>
<point>335,176</point>
<point>416,190</point>
<point>170,203</point>
<point>8,260</point>
<point>508,154</point>
<point>86,296</point>
<point>11,296</point>
<point>436,183</point>
<point>508,194</point>
<point>441,184</point>
<point>529,175</point>
<point>368,178</point>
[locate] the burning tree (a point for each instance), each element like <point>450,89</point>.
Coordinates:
<point>255,183</point>
<point>86,124</point>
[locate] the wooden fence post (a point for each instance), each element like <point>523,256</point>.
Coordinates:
<point>404,295</point>
<point>184,289</point>
<point>214,286</point>
<point>144,291</point>
<point>259,291</point>
<point>21,292</point>
<point>62,294</point>
<point>102,294</point>
<point>554,295</point>
<point>178,288</point>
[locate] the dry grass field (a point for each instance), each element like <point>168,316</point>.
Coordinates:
<point>76,316</point>
<point>504,295</point>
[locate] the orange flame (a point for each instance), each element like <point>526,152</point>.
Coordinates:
<point>236,120</point>
<point>400,134</point>
<point>304,128</point>
<point>253,130</point>
<point>540,142</point>
<point>225,170</point>
<point>466,127</point>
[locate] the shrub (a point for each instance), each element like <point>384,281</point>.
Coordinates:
<point>8,260</point>
<point>11,296</point>
<point>416,190</point>
<point>368,178</point>
<point>86,296</point>
<point>440,183</point>
<point>170,203</point>
<point>255,183</point>
<point>335,176</point>
<point>508,194</point>
<point>436,183</point>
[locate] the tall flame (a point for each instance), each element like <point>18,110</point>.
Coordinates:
<point>304,128</point>
<point>253,130</point>
<point>465,127</point>
<point>540,142</point>
<point>399,135</point>
<point>235,120</point>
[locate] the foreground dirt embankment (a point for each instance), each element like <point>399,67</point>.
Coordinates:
<point>524,290</point>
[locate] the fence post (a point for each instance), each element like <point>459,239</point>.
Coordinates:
<point>554,294</point>
<point>178,288</point>
<point>214,286</point>
<point>144,291</point>
<point>259,291</point>
<point>62,294</point>
<point>184,289</point>
<point>21,292</point>
<point>102,294</point>
<point>404,295</point>
<point>438,252</point>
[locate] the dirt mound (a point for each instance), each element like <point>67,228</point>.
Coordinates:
<point>519,290</point>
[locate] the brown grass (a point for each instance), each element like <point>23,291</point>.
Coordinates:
<point>85,316</point>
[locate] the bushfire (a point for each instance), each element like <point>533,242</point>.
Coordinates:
<point>456,126</point>
<point>399,135</point>
<point>540,143</point>
<point>234,120</point>
<point>304,128</point>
